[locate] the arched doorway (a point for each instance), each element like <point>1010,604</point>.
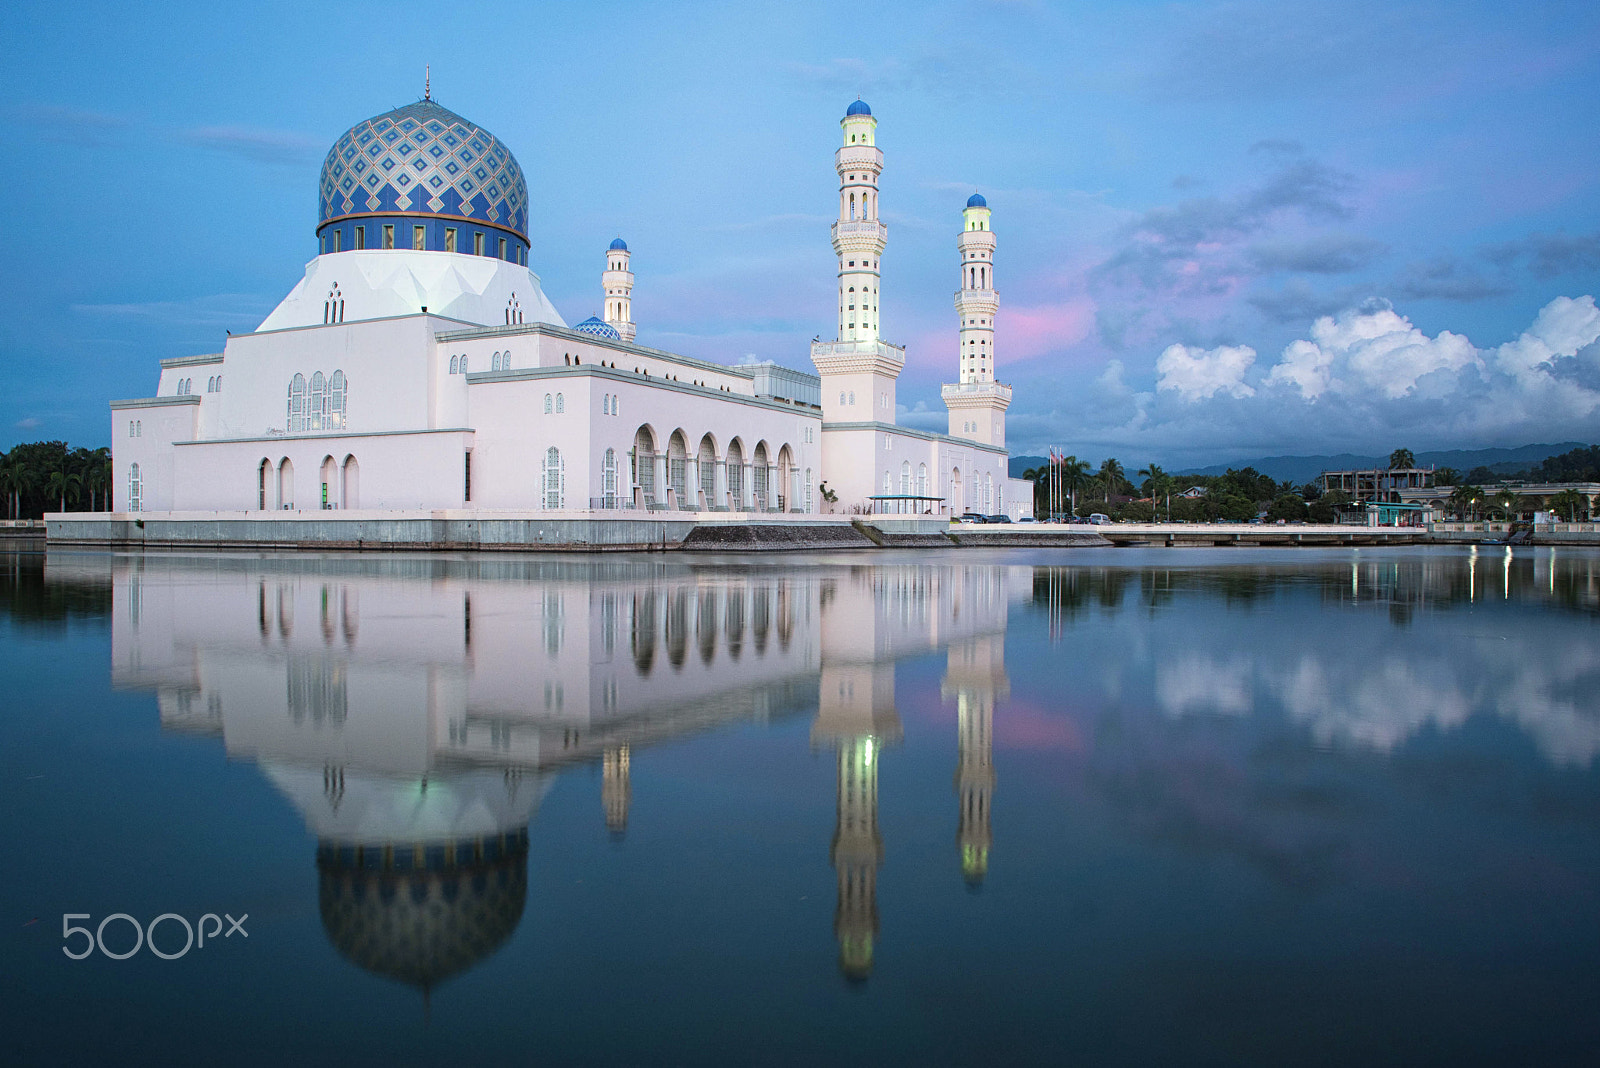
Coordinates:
<point>285,484</point>
<point>643,461</point>
<point>329,479</point>
<point>786,478</point>
<point>263,476</point>
<point>678,469</point>
<point>350,496</point>
<point>762,479</point>
<point>957,500</point>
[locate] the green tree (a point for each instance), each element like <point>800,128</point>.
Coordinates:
<point>1401,458</point>
<point>1446,476</point>
<point>1464,501</point>
<point>1074,476</point>
<point>1156,483</point>
<point>63,484</point>
<point>1505,502</point>
<point>1569,504</point>
<point>1289,507</point>
<point>1111,477</point>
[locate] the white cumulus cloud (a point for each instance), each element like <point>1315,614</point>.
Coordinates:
<point>1373,347</point>
<point>1197,373</point>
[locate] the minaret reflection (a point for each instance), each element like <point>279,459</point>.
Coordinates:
<point>856,715</point>
<point>975,674</point>
<point>615,790</point>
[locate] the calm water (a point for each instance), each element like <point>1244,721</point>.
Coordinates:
<point>1128,806</point>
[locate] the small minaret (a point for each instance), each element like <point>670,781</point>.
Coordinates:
<point>975,675</point>
<point>618,284</point>
<point>858,366</point>
<point>857,852</point>
<point>615,789</point>
<point>977,403</point>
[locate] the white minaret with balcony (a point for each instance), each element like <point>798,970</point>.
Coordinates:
<point>977,403</point>
<point>858,369</point>
<point>618,283</point>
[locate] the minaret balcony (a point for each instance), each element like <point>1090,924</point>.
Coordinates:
<point>976,395</point>
<point>872,230</point>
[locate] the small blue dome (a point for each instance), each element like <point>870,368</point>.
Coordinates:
<point>858,108</point>
<point>976,201</point>
<point>599,328</point>
<point>619,245</point>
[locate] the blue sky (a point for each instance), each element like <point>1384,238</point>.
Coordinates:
<point>1225,229</point>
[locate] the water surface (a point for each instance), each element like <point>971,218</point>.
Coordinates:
<point>1126,806</point>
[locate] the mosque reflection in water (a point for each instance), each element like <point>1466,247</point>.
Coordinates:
<point>416,712</point>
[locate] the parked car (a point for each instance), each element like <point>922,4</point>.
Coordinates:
<point>998,519</point>
<point>972,517</point>
<point>1027,519</point>
<point>1099,519</point>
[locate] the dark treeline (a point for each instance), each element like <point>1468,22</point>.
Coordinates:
<point>1579,465</point>
<point>48,476</point>
<point>1151,493</point>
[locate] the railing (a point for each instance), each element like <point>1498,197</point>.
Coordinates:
<point>612,502</point>
<point>1502,527</point>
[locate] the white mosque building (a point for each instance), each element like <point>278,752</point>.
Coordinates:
<point>418,365</point>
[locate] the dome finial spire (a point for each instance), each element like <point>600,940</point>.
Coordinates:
<point>427,81</point>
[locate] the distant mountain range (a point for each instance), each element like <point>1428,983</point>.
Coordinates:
<point>1300,469</point>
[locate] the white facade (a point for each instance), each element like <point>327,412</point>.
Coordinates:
<point>404,379</point>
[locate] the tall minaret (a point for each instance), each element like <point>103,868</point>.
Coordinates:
<point>977,403</point>
<point>615,789</point>
<point>856,714</point>
<point>858,365</point>
<point>618,284</point>
<point>975,674</point>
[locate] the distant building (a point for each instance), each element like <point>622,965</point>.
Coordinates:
<point>1378,484</point>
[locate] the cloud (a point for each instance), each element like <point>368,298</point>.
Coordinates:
<point>1324,254</point>
<point>258,146</point>
<point>1191,247</point>
<point>1550,255</point>
<point>1278,146</point>
<point>1373,347</point>
<point>71,126</point>
<point>1297,302</point>
<point>1448,279</point>
<point>28,423</point>
<point>1197,374</point>
<point>219,310</point>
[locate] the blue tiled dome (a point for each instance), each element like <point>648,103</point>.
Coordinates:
<point>599,328</point>
<point>858,108</point>
<point>976,201</point>
<point>423,160</point>
<point>619,245</point>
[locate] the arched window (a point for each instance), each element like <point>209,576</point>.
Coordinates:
<point>549,404</point>
<point>841,398</point>
<point>333,306</point>
<point>905,476</point>
<point>605,404</point>
<point>608,478</point>
<point>130,428</point>
<point>922,480</point>
<point>138,431</point>
<point>455,364</point>
<point>505,360</point>
<point>495,362</point>
<point>338,400</point>
<point>135,489</point>
<point>554,483</point>
<point>888,483</point>
<point>297,404</point>
<point>614,401</point>
<point>561,403</point>
<point>317,402</point>
<point>463,364</point>
<point>852,398</point>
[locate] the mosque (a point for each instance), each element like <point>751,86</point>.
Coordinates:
<point>417,712</point>
<point>418,365</point>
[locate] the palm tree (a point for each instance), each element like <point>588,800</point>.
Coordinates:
<point>1401,458</point>
<point>1112,475</point>
<point>1505,502</point>
<point>1465,500</point>
<point>1156,483</point>
<point>16,479</point>
<point>63,484</point>
<point>1569,502</point>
